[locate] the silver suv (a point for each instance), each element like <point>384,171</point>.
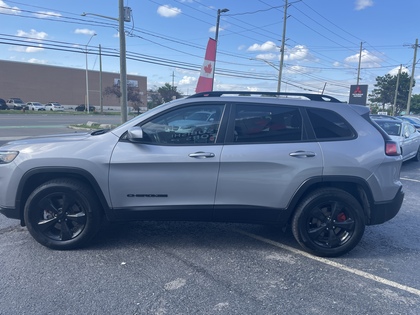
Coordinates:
<point>317,165</point>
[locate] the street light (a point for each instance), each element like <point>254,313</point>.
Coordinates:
<point>87,78</point>
<point>123,66</point>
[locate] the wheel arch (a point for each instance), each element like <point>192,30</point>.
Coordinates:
<point>355,186</point>
<point>35,177</point>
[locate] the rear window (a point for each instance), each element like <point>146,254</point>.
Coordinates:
<point>328,125</point>
<point>264,123</point>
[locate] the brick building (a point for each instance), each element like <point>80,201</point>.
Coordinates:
<point>45,83</point>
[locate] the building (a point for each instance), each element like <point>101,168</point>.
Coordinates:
<point>45,83</point>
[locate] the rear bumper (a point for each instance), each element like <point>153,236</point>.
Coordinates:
<point>382,212</point>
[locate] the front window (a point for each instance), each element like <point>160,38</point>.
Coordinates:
<point>185,126</point>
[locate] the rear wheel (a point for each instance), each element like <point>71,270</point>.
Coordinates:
<point>62,214</point>
<point>329,222</point>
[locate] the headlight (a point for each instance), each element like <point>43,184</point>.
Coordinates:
<point>8,156</point>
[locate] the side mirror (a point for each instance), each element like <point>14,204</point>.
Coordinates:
<point>135,134</point>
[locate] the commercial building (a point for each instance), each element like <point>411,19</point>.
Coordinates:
<point>45,83</point>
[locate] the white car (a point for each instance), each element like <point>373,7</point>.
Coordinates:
<point>35,106</point>
<point>54,106</point>
<point>405,134</point>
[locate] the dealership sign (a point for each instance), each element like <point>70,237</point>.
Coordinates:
<point>358,94</point>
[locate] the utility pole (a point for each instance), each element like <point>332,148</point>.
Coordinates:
<point>173,79</point>
<point>101,97</point>
<point>283,40</point>
<point>360,63</point>
<point>412,77</point>
<point>396,91</point>
<point>123,62</point>
<point>219,11</point>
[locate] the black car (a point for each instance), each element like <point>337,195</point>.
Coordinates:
<point>3,104</point>
<point>82,108</point>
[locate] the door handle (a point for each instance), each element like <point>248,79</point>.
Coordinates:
<point>201,155</point>
<point>302,154</point>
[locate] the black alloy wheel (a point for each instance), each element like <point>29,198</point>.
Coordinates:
<point>62,214</point>
<point>329,222</point>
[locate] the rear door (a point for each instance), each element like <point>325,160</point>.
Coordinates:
<point>265,159</point>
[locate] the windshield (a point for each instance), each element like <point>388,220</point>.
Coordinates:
<point>391,128</point>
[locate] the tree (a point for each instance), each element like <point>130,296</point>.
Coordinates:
<point>415,104</point>
<point>384,91</point>
<point>161,95</point>
<point>153,99</point>
<point>169,92</point>
<point>133,95</point>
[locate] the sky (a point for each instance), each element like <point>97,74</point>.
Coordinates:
<point>166,40</point>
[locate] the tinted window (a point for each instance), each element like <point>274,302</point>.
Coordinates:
<point>260,123</point>
<point>184,126</point>
<point>329,125</point>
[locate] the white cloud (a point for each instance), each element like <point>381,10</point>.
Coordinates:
<point>45,14</point>
<point>84,31</point>
<point>396,69</point>
<point>31,49</point>
<point>33,34</point>
<point>267,46</point>
<point>34,49</point>
<point>299,52</point>
<point>187,80</point>
<point>4,8</point>
<point>168,11</point>
<point>298,70</point>
<point>368,60</point>
<point>269,56</point>
<point>363,4</point>
<point>34,60</point>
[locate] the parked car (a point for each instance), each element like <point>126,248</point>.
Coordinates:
<point>16,103</point>
<point>405,134</point>
<point>54,106</point>
<point>35,106</point>
<point>317,165</point>
<point>377,116</point>
<point>415,121</point>
<point>3,104</point>
<point>82,108</point>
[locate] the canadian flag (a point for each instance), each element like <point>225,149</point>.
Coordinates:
<point>205,81</point>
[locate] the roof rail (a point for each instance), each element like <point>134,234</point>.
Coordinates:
<point>312,97</point>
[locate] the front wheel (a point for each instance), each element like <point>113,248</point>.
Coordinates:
<point>329,222</point>
<point>62,214</point>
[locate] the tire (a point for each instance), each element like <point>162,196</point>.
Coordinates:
<point>329,222</point>
<point>62,214</point>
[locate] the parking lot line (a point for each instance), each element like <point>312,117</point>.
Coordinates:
<point>411,180</point>
<point>333,264</point>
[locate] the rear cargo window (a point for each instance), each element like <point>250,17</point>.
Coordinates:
<point>328,125</point>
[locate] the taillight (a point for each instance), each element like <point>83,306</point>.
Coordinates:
<point>392,148</point>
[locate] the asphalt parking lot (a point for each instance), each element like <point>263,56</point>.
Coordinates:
<point>207,268</point>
